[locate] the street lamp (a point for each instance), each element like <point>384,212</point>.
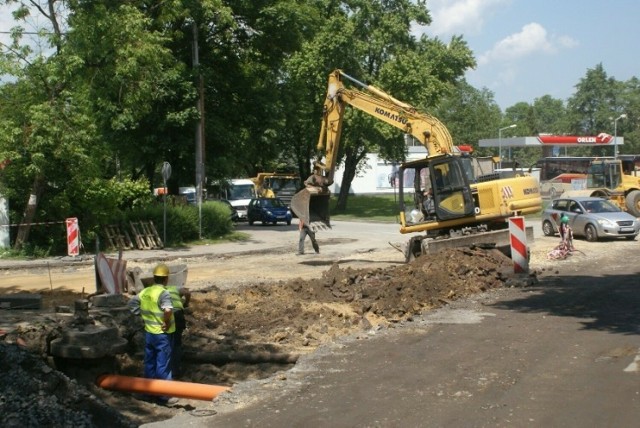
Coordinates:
<point>615,134</point>
<point>500,142</point>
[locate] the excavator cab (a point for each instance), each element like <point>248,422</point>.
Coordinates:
<point>448,180</point>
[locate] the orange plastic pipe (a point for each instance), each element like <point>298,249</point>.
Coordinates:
<point>172,388</point>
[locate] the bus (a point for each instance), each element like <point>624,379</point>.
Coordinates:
<point>552,167</point>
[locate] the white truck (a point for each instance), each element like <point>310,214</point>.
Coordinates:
<point>239,194</point>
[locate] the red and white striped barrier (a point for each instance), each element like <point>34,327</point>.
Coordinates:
<point>518,238</point>
<point>73,237</point>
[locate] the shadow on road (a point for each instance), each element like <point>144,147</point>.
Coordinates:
<point>606,302</point>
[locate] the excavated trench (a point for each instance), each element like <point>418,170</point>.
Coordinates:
<point>240,333</point>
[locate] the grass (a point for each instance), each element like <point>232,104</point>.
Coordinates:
<point>380,208</point>
<point>234,236</point>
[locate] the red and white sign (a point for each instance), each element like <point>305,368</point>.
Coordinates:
<point>518,238</point>
<point>601,138</point>
<point>73,237</point>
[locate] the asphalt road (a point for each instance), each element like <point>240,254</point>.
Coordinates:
<point>562,353</point>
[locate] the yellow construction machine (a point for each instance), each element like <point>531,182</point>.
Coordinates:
<point>463,204</point>
<point>281,185</point>
<point>606,178</point>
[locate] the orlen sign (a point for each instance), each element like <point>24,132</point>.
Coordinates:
<point>601,138</point>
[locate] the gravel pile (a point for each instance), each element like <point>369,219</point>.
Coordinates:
<point>32,394</point>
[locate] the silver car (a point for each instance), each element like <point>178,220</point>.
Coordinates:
<point>590,217</point>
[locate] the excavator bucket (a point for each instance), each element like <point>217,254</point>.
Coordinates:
<point>312,208</point>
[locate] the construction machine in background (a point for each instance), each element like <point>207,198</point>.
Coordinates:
<point>607,179</point>
<point>462,205</point>
<point>277,185</point>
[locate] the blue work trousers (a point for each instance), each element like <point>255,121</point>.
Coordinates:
<point>157,356</point>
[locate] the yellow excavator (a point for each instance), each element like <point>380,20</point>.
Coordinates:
<point>463,203</point>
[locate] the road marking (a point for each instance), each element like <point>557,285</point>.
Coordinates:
<point>634,366</point>
<point>456,316</point>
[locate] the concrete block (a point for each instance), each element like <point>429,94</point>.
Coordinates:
<point>21,301</point>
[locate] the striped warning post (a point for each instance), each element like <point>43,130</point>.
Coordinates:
<point>518,238</point>
<point>73,237</point>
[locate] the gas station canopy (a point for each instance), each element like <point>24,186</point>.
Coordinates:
<point>601,139</point>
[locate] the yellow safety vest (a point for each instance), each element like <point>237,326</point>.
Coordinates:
<point>152,314</point>
<point>176,300</point>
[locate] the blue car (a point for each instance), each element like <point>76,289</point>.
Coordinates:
<point>268,210</point>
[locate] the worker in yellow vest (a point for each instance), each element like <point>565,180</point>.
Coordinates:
<point>154,305</point>
<point>180,298</point>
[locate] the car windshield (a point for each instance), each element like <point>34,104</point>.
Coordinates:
<point>600,207</point>
<point>241,191</point>
<point>271,202</point>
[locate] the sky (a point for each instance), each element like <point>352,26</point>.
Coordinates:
<point>526,49</point>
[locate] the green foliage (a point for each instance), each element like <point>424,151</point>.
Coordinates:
<point>470,115</point>
<point>183,221</point>
<point>382,208</point>
<point>112,95</point>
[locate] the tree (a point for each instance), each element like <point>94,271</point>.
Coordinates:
<point>384,52</point>
<point>470,114</point>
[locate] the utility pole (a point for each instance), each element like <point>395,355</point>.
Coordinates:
<point>200,142</point>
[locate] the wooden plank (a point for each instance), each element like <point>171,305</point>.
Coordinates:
<point>138,236</point>
<point>148,234</point>
<point>108,231</point>
<point>155,232</point>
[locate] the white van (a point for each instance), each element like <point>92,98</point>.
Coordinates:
<point>239,194</point>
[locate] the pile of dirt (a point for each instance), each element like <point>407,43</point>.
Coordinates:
<point>254,331</point>
<point>299,315</point>
<point>33,394</point>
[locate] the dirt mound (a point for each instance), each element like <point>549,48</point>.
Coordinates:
<point>254,331</point>
<point>298,315</point>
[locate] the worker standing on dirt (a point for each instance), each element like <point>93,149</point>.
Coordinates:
<point>304,231</point>
<point>180,298</point>
<point>154,305</point>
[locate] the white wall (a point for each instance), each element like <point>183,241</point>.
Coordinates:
<point>375,176</point>
<point>4,223</point>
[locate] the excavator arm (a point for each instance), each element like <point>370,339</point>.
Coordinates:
<point>311,204</point>
<point>428,130</point>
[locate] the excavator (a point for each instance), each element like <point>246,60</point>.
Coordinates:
<point>463,203</point>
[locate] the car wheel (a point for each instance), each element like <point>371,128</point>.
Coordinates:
<point>288,222</point>
<point>547,228</point>
<point>630,238</point>
<point>250,222</point>
<point>590,233</point>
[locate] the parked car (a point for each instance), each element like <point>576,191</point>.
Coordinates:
<point>592,218</point>
<point>268,210</point>
<point>234,212</point>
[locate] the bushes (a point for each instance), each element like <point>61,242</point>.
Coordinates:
<point>183,221</point>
